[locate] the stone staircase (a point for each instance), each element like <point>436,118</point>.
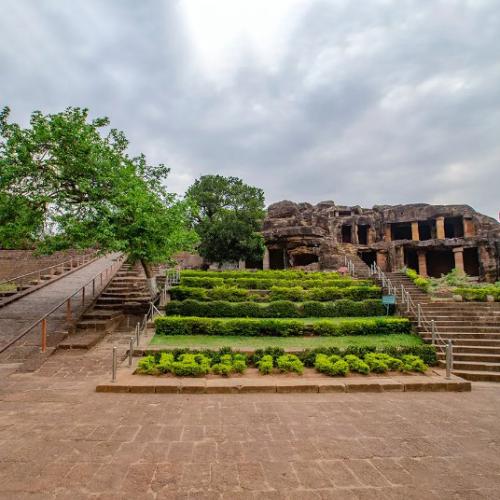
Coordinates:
<point>474,328</point>
<point>126,294</point>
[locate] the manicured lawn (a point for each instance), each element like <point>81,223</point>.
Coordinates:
<point>214,342</point>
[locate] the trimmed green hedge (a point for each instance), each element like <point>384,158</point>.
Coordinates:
<point>266,284</point>
<point>277,309</point>
<point>187,325</point>
<point>426,352</point>
<point>478,294</point>
<point>272,274</point>
<point>294,294</point>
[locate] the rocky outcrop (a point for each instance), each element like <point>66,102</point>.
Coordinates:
<point>301,234</point>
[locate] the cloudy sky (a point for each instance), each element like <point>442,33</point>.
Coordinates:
<point>360,102</point>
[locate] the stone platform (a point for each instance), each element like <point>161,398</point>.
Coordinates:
<point>253,382</point>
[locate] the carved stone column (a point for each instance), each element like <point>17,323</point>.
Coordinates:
<point>415,236</point>
<point>440,228</point>
<point>265,260</point>
<point>458,253</point>
<point>422,262</point>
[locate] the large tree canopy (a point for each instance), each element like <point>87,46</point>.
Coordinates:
<point>65,183</point>
<point>228,218</point>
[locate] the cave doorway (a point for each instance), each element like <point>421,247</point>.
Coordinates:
<point>277,258</point>
<point>471,261</point>
<point>401,231</point>
<point>362,234</point>
<point>304,259</point>
<point>439,262</point>
<point>453,227</point>
<point>346,233</point>
<point>368,257</point>
<point>424,230</point>
<point>411,259</point>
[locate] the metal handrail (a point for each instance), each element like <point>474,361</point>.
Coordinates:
<point>43,320</point>
<point>406,299</point>
<point>39,272</point>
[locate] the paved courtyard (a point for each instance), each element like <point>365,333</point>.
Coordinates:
<point>60,439</point>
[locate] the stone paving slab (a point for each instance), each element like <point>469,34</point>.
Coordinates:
<point>310,382</point>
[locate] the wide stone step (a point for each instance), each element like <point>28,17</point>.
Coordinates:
<point>102,314</point>
<point>469,357</point>
<point>473,328</point>
<point>465,336</point>
<point>477,375</point>
<point>469,342</point>
<point>476,366</point>
<point>474,349</point>
<point>93,324</point>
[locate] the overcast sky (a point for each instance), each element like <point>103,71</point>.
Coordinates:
<point>360,102</point>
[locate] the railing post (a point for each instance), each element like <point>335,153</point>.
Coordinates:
<point>113,376</point>
<point>137,334</point>
<point>93,287</point>
<point>83,295</point>
<point>68,310</point>
<point>44,334</point>
<point>408,298</point>
<point>101,278</point>
<point>449,358</point>
<point>433,329</point>
<point>130,351</point>
<point>419,315</point>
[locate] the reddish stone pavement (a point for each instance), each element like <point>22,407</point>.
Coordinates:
<point>22,313</point>
<point>61,439</point>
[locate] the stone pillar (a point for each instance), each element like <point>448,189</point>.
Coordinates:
<point>415,236</point>
<point>422,262</point>
<point>458,253</point>
<point>440,228</point>
<point>241,265</point>
<point>399,258</point>
<point>469,229</point>
<point>387,233</point>
<point>265,260</point>
<point>285,258</point>
<point>369,236</point>
<point>382,260</point>
<point>354,234</point>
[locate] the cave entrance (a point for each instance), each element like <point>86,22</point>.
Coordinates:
<point>277,258</point>
<point>368,257</point>
<point>411,259</point>
<point>346,234</point>
<point>471,261</point>
<point>401,231</point>
<point>304,259</point>
<point>424,230</point>
<point>439,262</point>
<point>362,234</point>
<point>453,227</point>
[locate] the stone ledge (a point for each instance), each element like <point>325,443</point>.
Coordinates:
<point>274,384</point>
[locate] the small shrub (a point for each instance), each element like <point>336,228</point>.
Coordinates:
<point>164,364</point>
<point>356,364</point>
<point>265,364</point>
<point>229,293</point>
<point>331,365</point>
<point>191,365</point>
<point>290,363</point>
<point>413,364</point>
<point>147,365</point>
<point>282,309</point>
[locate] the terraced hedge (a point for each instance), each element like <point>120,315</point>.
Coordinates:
<point>267,283</point>
<point>276,309</point>
<point>294,294</point>
<point>284,274</point>
<point>186,325</point>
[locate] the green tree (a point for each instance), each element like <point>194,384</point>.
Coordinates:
<point>228,218</point>
<point>75,186</point>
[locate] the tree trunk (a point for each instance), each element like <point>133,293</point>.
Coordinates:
<point>150,278</point>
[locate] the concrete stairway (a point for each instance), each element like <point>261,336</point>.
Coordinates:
<point>474,328</point>
<point>361,270</point>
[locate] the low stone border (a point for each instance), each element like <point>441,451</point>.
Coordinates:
<point>317,383</point>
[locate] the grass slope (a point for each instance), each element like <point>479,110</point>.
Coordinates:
<point>215,342</point>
